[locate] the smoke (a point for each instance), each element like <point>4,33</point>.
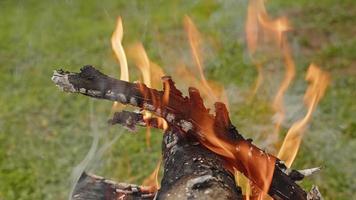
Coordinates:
<point>95,151</point>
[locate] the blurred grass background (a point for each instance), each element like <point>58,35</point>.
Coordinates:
<point>45,133</point>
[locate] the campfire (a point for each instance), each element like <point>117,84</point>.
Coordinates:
<point>203,154</point>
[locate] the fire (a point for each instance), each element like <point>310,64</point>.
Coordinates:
<point>260,26</point>
<point>148,69</point>
<point>278,103</point>
<point>152,181</point>
<point>151,74</point>
<point>195,43</point>
<point>243,182</point>
<point>252,162</point>
<point>143,64</point>
<point>239,155</point>
<point>187,77</point>
<point>319,81</point>
<point>213,91</point>
<point>137,51</point>
<point>116,44</point>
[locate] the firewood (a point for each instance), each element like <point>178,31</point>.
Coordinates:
<point>190,170</point>
<point>129,120</point>
<point>189,116</point>
<point>92,187</point>
<point>193,172</point>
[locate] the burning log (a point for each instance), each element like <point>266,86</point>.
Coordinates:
<point>193,172</point>
<point>129,120</point>
<point>189,121</point>
<point>91,187</point>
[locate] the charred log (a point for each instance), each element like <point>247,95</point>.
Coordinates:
<point>91,187</point>
<point>193,172</point>
<point>129,120</point>
<point>187,115</point>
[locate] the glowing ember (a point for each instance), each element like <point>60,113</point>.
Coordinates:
<point>319,81</point>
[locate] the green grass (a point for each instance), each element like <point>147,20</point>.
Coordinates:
<point>45,133</point>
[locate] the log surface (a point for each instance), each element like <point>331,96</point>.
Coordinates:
<point>91,187</point>
<point>193,172</point>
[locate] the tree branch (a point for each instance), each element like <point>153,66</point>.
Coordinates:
<point>91,187</point>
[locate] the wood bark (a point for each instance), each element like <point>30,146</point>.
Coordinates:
<point>190,172</point>
<point>189,116</point>
<point>91,187</point>
<point>193,172</point>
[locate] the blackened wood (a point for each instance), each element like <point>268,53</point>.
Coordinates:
<point>193,172</point>
<point>91,187</point>
<point>187,114</point>
<point>130,119</point>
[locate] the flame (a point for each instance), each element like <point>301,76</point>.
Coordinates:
<point>147,69</point>
<point>195,43</point>
<point>239,155</point>
<point>319,81</point>
<point>252,162</point>
<point>137,51</point>
<point>260,26</point>
<point>244,184</point>
<point>278,103</point>
<point>166,91</point>
<point>116,44</point>
<point>152,181</point>
<point>211,90</point>
<point>188,78</point>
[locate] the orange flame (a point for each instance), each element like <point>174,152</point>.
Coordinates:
<point>166,92</point>
<point>260,24</point>
<point>252,162</point>
<point>195,45</point>
<point>244,184</point>
<point>240,155</point>
<point>143,64</point>
<point>116,44</point>
<point>147,69</point>
<point>278,103</point>
<point>213,91</point>
<point>152,181</point>
<point>319,81</point>
<point>137,51</point>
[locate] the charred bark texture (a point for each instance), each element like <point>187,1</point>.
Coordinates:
<point>186,115</point>
<point>91,187</point>
<point>193,172</point>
